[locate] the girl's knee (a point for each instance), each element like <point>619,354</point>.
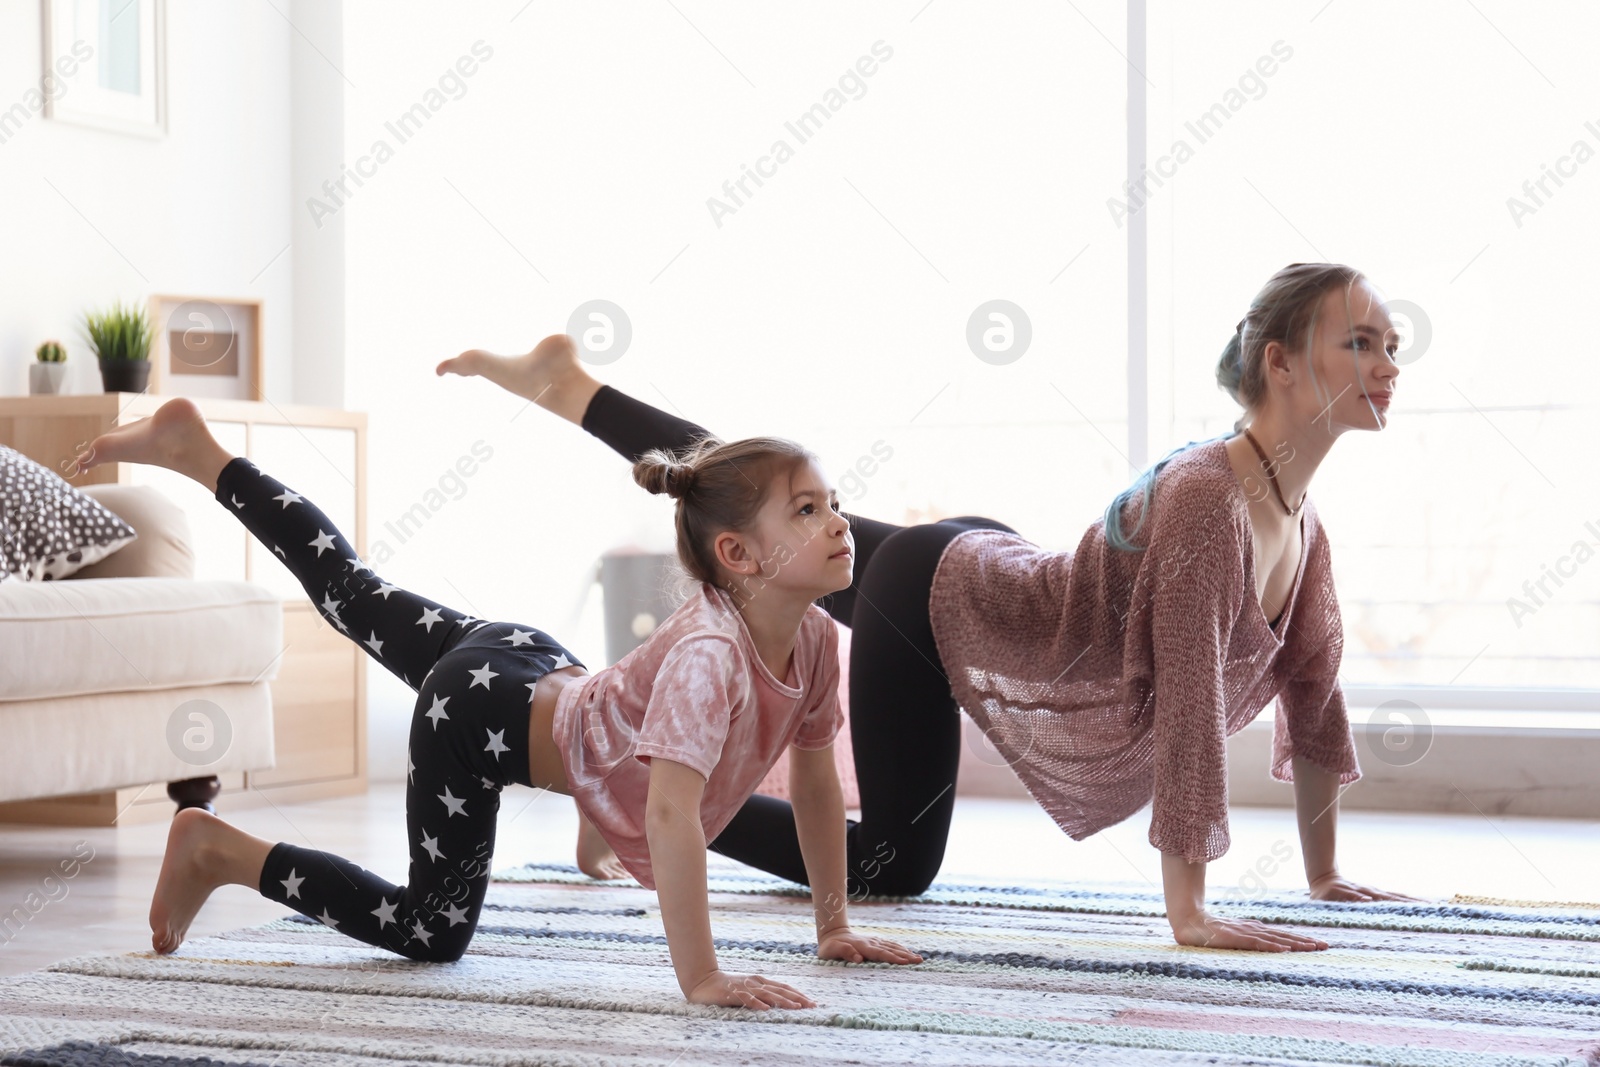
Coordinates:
<point>441,950</point>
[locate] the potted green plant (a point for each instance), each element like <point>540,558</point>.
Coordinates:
<point>121,338</point>
<point>49,369</point>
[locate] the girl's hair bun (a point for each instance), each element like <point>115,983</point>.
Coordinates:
<point>660,472</point>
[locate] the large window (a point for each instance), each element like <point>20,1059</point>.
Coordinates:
<point>1450,152</point>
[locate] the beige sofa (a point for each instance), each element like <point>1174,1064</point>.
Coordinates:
<point>131,671</point>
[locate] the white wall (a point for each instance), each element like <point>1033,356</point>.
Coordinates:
<point>201,211</point>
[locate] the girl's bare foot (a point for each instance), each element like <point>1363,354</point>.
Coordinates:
<point>175,437</point>
<point>189,875</point>
<point>203,852</point>
<point>595,857</point>
<point>550,375</point>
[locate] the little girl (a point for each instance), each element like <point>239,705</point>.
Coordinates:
<point>659,750</point>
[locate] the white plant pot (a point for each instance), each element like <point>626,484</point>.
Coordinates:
<point>46,377</point>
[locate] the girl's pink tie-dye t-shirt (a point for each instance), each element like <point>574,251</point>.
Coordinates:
<point>697,693</point>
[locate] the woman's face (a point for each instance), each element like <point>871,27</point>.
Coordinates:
<point>1352,348</point>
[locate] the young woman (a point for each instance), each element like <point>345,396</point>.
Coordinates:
<point>660,750</point>
<point>1110,676</point>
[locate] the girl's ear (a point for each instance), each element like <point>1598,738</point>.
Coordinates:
<point>734,554</point>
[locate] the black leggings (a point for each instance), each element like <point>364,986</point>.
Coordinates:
<point>469,731</point>
<point>904,725</point>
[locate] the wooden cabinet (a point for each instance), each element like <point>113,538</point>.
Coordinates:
<point>319,696</point>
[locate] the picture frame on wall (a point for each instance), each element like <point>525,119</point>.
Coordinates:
<point>104,64</point>
<point>206,347</point>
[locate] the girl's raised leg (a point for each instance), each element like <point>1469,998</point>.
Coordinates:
<point>469,731</point>
<point>400,629</point>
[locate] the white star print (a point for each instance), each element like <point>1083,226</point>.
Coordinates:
<point>519,637</point>
<point>428,622</point>
<point>456,805</point>
<point>328,920</point>
<point>280,551</point>
<point>411,768</point>
<point>561,661</point>
<point>487,784</point>
<point>485,673</point>
<point>497,743</point>
<point>384,589</point>
<point>289,496</point>
<point>480,626</point>
<point>533,687</point>
<point>422,935</point>
<point>237,502</point>
<point>437,712</point>
<point>385,912</point>
<point>291,884</point>
<point>430,845</point>
<point>455,915</point>
<point>324,540</point>
<point>340,624</point>
<point>330,605</point>
<point>357,565</point>
<point>466,619</point>
<point>374,644</point>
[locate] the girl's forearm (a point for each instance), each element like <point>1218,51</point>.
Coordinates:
<point>678,861</point>
<point>819,822</point>
<point>1316,805</point>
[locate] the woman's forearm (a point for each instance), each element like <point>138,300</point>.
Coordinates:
<point>1184,886</point>
<point>1316,805</point>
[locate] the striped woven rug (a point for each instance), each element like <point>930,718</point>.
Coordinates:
<point>567,971</point>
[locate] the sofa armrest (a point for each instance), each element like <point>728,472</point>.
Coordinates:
<point>164,547</point>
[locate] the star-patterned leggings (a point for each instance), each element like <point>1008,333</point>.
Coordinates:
<point>469,732</point>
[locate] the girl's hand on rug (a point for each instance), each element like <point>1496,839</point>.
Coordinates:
<point>747,991</point>
<point>845,944</point>
<point>1202,930</point>
<point>1331,886</point>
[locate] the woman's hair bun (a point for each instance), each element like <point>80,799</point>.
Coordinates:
<point>659,472</point>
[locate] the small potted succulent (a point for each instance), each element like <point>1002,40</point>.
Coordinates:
<point>121,338</point>
<point>49,369</point>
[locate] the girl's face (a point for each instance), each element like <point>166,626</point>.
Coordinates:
<point>800,542</point>
<point>1352,350</point>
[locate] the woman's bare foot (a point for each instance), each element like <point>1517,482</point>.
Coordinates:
<point>550,375</point>
<point>595,857</point>
<point>175,437</point>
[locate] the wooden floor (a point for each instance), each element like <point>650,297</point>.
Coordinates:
<point>103,908</point>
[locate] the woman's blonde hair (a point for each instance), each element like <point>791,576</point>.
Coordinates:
<point>1285,310</point>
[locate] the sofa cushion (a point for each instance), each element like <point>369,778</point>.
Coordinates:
<point>106,635</point>
<point>164,548</point>
<point>109,740</point>
<point>48,529</point>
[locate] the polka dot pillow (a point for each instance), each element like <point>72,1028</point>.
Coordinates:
<point>48,529</point>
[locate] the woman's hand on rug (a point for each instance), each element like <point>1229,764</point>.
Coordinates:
<point>1332,886</point>
<point>847,945</point>
<point>1203,930</point>
<point>747,991</point>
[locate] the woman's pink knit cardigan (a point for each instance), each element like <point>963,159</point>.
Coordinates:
<point>1112,679</point>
